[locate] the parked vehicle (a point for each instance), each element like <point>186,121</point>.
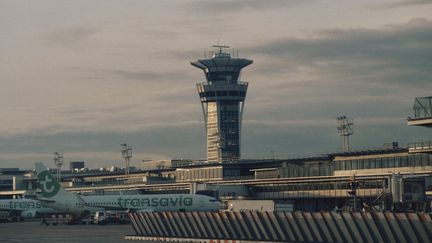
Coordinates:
<point>110,217</point>
<point>56,220</point>
<point>88,219</point>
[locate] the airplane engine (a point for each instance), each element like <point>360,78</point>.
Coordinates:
<point>28,214</point>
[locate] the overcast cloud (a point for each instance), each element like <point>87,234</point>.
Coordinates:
<point>82,77</point>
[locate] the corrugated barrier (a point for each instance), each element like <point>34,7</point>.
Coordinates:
<point>282,226</point>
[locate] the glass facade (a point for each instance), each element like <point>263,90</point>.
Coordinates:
<point>199,174</point>
<point>313,186</point>
<point>229,130</point>
<point>324,169</point>
<point>327,168</point>
<point>6,184</point>
<point>411,160</point>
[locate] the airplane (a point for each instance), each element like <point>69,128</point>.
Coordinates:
<point>25,208</point>
<point>58,198</point>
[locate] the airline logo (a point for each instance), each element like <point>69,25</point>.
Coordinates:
<point>155,202</point>
<point>48,184</point>
<point>26,205</point>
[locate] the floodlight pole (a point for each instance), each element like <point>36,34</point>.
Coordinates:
<point>273,154</point>
<point>345,129</point>
<point>126,155</point>
<point>58,161</point>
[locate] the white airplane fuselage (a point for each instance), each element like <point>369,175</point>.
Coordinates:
<point>28,208</point>
<point>156,202</point>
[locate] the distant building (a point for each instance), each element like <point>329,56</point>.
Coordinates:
<point>9,170</point>
<point>392,145</point>
<point>164,164</point>
<point>15,182</point>
<point>76,165</point>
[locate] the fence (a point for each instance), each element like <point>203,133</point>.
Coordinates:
<point>282,226</point>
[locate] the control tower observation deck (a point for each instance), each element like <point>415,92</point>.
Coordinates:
<point>222,100</point>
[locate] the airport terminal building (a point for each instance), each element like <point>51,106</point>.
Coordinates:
<point>398,179</point>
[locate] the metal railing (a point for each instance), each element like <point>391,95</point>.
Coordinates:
<point>420,145</point>
<point>223,84</point>
<point>422,107</point>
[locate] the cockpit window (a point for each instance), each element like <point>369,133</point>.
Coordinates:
<point>212,200</point>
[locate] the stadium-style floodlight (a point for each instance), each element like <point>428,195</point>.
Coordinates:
<point>345,129</point>
<point>58,161</point>
<point>126,155</point>
<point>273,154</point>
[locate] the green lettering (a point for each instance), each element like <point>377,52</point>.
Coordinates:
<point>39,205</point>
<point>187,201</point>
<point>145,202</point>
<point>163,202</point>
<point>126,202</point>
<point>22,205</point>
<point>174,202</point>
<point>135,202</point>
<point>31,204</point>
<point>154,202</point>
<point>120,202</point>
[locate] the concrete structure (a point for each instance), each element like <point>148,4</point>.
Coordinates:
<point>222,99</point>
<point>422,112</point>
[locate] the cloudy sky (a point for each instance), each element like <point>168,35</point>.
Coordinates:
<point>82,77</point>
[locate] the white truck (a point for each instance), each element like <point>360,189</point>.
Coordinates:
<point>251,205</point>
<point>110,217</point>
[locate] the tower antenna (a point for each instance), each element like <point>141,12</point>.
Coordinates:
<point>220,47</point>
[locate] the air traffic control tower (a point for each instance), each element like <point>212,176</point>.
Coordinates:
<point>222,100</point>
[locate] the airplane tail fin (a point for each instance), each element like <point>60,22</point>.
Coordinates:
<point>49,186</point>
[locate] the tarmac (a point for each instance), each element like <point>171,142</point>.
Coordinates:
<point>33,231</point>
